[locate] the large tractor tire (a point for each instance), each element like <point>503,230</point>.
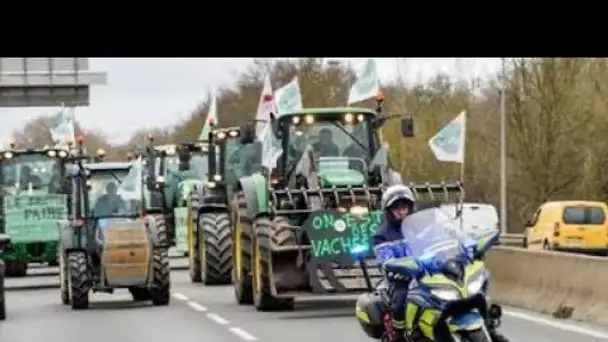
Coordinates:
<point>64,281</point>
<point>160,292</point>
<point>16,269</point>
<point>267,235</point>
<point>79,279</point>
<point>242,242</point>
<point>193,257</point>
<point>2,297</point>
<point>215,248</point>
<point>161,229</point>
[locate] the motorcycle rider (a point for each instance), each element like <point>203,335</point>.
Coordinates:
<point>398,202</point>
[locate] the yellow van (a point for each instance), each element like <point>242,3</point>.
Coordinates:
<point>573,226</point>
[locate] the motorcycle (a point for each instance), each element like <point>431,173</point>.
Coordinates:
<point>448,291</point>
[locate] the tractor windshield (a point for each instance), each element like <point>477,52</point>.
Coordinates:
<point>242,160</point>
<point>334,142</point>
<point>104,197</point>
<point>31,172</point>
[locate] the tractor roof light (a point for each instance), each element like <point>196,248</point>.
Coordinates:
<point>233,133</point>
<point>309,119</point>
<point>220,135</point>
<point>211,185</point>
<point>62,154</point>
<point>52,153</point>
<point>360,118</point>
<point>296,120</point>
<point>349,118</point>
<point>101,152</point>
<point>217,178</point>
<point>7,155</point>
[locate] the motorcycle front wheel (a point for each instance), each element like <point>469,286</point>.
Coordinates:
<point>478,335</point>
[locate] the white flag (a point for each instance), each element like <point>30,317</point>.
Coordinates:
<point>448,144</point>
<point>288,98</point>
<point>265,107</point>
<point>211,120</point>
<point>62,128</point>
<point>271,149</point>
<point>367,84</point>
<point>131,186</point>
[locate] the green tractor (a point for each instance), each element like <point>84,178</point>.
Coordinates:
<point>210,234</point>
<point>33,198</point>
<point>109,243</point>
<point>294,227</point>
<point>176,170</point>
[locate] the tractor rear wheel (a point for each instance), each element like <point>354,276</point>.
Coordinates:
<point>267,235</point>
<point>215,248</point>
<point>79,279</point>
<point>194,264</point>
<point>242,237</point>
<point>161,285</point>
<point>161,229</point>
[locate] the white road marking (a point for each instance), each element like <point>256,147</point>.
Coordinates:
<point>179,296</point>
<point>242,334</point>
<point>196,306</point>
<point>217,318</point>
<point>557,324</point>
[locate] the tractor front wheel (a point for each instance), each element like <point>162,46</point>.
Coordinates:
<point>241,251</point>
<point>215,248</point>
<point>79,279</point>
<point>161,286</point>
<point>194,264</point>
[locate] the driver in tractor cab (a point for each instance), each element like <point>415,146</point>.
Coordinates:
<point>109,203</point>
<point>250,152</point>
<point>27,177</point>
<point>398,202</point>
<point>55,183</point>
<point>326,147</point>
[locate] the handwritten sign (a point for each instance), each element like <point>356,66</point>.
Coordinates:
<point>34,218</point>
<point>332,234</point>
<point>181,230</point>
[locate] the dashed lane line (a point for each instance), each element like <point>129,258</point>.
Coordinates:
<point>242,334</point>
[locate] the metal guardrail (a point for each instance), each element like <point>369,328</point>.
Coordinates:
<point>513,240</point>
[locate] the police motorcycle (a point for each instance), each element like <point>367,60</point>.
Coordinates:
<point>447,297</point>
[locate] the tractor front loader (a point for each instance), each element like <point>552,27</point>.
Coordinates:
<point>232,154</point>
<point>294,225</point>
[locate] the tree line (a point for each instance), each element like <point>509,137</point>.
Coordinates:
<point>556,122</point>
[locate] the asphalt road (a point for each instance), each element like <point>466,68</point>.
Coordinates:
<point>209,313</point>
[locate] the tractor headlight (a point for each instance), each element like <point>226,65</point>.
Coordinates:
<point>160,179</point>
<point>52,153</point>
<point>8,155</point>
<point>211,185</point>
<point>446,294</point>
<point>358,210</point>
<point>63,154</point>
<point>474,286</point>
<point>217,178</point>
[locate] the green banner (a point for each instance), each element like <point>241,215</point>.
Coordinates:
<point>181,229</point>
<point>34,218</point>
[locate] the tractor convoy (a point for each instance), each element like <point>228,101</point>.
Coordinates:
<point>275,225</point>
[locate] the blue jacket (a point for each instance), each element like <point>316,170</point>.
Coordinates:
<point>389,243</point>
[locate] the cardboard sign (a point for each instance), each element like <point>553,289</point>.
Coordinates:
<point>34,218</point>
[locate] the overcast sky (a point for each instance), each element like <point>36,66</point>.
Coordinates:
<point>153,92</point>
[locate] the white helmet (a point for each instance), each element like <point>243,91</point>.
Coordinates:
<point>397,192</point>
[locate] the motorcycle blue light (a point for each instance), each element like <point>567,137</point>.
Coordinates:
<point>359,249</point>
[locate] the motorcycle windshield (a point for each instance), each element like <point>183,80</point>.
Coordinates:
<point>433,234</point>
